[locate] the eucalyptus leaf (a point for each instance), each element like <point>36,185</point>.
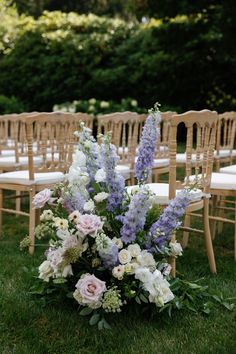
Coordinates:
<point>94,319</point>
<point>86,311</point>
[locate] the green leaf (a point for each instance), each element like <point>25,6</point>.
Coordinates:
<point>143,298</point>
<point>228,306</point>
<point>137,299</point>
<point>86,311</point>
<point>106,324</point>
<point>94,319</point>
<point>59,281</point>
<point>100,325</point>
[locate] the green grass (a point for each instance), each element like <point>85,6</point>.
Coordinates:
<point>26,326</point>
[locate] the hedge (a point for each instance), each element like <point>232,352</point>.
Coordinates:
<point>65,57</point>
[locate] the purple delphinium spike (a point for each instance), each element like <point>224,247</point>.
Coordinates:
<point>161,231</point>
<point>73,202</point>
<point>110,256</point>
<point>134,219</point>
<point>147,146</point>
<point>114,181</point>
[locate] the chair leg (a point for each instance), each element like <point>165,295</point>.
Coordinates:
<point>1,206</point>
<point>213,222</point>
<point>187,220</point>
<point>221,214</point>
<point>208,239</point>
<point>32,218</point>
<point>18,195</point>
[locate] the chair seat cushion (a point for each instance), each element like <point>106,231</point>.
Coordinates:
<point>22,178</point>
<point>234,152</point>
<point>123,170</point>
<point>10,161</point>
<point>7,153</point>
<point>158,162</point>
<point>161,191</point>
<point>223,153</point>
<point>223,181</point>
<point>182,158</point>
<point>229,169</point>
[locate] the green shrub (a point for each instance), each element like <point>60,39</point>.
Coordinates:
<point>65,57</point>
<point>10,105</point>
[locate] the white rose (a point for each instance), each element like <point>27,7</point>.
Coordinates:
<point>124,256</point>
<point>176,249</point>
<point>100,175</point>
<point>134,250</point>
<point>118,272</point>
<point>101,196</point>
<point>45,271</point>
<point>62,234</point>
<point>118,242</point>
<point>145,259</point>
<point>89,205</point>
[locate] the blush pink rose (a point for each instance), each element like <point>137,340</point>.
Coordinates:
<point>89,224</point>
<point>41,198</point>
<point>89,290</point>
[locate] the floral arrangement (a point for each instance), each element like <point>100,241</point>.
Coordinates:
<point>109,247</point>
<point>95,106</point>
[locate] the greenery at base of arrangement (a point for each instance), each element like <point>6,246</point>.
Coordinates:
<point>193,297</point>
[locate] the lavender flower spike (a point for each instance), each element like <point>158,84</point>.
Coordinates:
<point>147,146</point>
<point>134,219</point>
<point>115,182</point>
<point>161,231</point>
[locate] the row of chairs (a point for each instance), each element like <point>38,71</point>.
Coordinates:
<point>46,142</point>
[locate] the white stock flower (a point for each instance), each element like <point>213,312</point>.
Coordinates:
<point>79,159</point>
<point>124,256</point>
<point>62,234</point>
<point>100,197</point>
<point>118,272</point>
<point>176,249</point>
<point>117,241</point>
<point>100,175</point>
<point>46,215</point>
<point>143,274</point>
<point>75,175</point>
<point>134,250</point>
<point>89,205</point>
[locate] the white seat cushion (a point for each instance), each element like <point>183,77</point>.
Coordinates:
<point>22,177</point>
<point>158,162</point>
<point>223,153</point>
<point>123,170</point>
<point>182,158</point>
<point>161,191</point>
<point>229,169</point>
<point>161,162</point>
<point>234,152</point>
<point>7,153</point>
<point>10,161</point>
<point>223,181</point>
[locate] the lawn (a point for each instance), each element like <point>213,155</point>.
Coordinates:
<point>26,326</point>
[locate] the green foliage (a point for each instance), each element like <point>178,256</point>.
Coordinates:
<point>184,62</point>
<point>10,105</point>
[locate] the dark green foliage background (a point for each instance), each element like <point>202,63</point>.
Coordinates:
<point>184,62</point>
